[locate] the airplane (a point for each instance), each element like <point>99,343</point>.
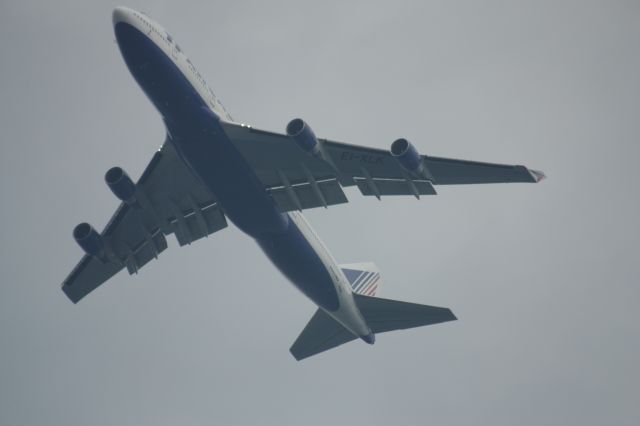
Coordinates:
<point>212,168</point>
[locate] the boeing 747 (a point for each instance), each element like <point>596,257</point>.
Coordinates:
<point>212,168</point>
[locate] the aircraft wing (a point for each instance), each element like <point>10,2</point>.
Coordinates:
<point>168,200</point>
<point>298,180</point>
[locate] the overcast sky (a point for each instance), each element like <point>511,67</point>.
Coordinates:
<point>543,278</point>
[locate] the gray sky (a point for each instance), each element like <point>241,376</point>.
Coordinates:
<point>542,277</point>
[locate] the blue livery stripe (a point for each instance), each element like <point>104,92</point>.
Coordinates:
<point>362,281</point>
<point>371,284</point>
<point>359,280</point>
<point>366,282</point>
<point>365,278</point>
<point>351,274</point>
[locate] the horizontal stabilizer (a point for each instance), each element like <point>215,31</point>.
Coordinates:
<point>388,315</point>
<point>321,334</point>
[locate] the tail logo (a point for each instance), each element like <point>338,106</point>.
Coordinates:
<point>363,282</point>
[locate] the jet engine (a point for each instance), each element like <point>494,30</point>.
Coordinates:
<point>407,156</point>
<point>302,134</point>
<point>89,239</point>
<point>121,184</point>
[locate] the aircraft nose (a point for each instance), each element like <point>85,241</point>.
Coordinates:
<point>121,14</point>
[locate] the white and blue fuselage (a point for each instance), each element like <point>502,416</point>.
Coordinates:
<point>193,116</point>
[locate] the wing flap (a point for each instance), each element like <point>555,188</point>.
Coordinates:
<point>197,222</point>
<point>307,195</point>
<point>379,187</point>
<point>149,249</point>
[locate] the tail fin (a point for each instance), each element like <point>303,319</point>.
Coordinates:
<point>323,332</point>
<point>363,277</point>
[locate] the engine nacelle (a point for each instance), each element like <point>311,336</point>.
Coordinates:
<point>89,240</point>
<point>121,184</point>
<point>407,156</point>
<point>302,134</point>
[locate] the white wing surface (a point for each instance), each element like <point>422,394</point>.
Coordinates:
<point>298,180</point>
<point>168,200</point>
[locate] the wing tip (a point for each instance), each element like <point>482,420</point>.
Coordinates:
<point>537,175</point>
<point>453,316</point>
<point>296,354</point>
<point>74,296</point>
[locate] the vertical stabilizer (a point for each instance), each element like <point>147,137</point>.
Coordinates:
<point>364,277</point>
